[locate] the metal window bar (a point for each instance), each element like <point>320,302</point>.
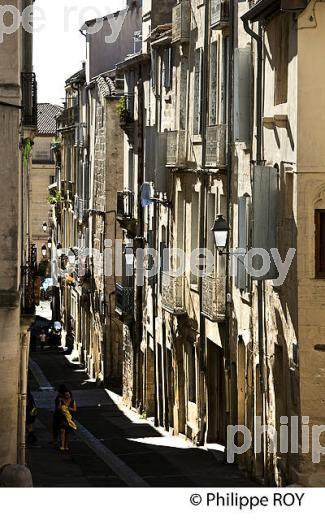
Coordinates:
<point>173,293</point>
<point>214,297</point>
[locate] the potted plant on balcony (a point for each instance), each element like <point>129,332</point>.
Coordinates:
<point>54,198</point>
<point>125,116</point>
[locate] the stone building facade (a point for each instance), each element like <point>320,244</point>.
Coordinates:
<point>221,116</point>
<point>43,175</point>
<point>18,116</point>
<point>89,158</point>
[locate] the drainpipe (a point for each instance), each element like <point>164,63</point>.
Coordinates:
<point>22,398</point>
<point>154,302</point>
<point>258,37</point>
<point>201,394</point>
<point>137,397</point>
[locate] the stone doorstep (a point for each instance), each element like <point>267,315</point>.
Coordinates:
<point>133,415</point>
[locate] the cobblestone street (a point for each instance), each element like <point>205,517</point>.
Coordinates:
<point>113,446</point>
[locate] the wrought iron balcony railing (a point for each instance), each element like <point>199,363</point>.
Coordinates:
<point>173,293</point>
<point>214,297</point>
<point>124,300</point>
<point>125,205</point>
<point>29,99</point>
<point>69,117</point>
<point>216,139</point>
<point>176,148</point>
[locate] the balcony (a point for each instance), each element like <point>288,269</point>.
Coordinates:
<point>219,13</point>
<point>173,293</point>
<point>124,300</point>
<point>125,205</point>
<point>216,138</point>
<point>69,117</point>
<point>214,297</point>
<point>29,99</point>
<point>176,148</point>
<point>181,22</point>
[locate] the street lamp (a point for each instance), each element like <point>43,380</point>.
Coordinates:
<point>49,243</point>
<point>220,231</point>
<point>44,251</point>
<point>44,227</point>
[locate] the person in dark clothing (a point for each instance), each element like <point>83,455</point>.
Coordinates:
<point>42,338</point>
<point>31,413</point>
<point>57,413</point>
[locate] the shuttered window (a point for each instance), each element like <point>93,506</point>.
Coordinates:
<point>320,243</point>
<point>195,216</point>
<point>244,204</point>
<point>213,83</point>
<point>183,97</point>
<point>167,68</point>
<point>197,111</point>
<point>225,79</point>
<point>154,69</point>
<point>265,215</point>
<point>281,59</point>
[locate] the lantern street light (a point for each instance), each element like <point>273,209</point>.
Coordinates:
<point>220,231</point>
<point>49,243</point>
<point>44,226</point>
<point>44,251</point>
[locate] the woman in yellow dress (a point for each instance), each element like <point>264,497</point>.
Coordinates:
<point>66,407</point>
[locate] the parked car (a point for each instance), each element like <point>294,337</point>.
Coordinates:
<point>55,334</point>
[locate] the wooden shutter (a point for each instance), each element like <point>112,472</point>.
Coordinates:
<point>242,94</point>
<point>265,207</point>
<point>197,112</point>
<point>242,279</point>
<point>167,68</point>
<point>213,82</point>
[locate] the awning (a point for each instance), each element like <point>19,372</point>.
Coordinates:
<point>265,8</point>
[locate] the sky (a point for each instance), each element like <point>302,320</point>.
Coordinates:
<point>59,48</point>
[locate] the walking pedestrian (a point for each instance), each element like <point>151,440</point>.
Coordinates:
<point>42,338</point>
<point>31,413</point>
<point>57,413</point>
<point>66,406</point>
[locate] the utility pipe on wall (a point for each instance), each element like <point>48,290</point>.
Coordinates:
<point>258,37</point>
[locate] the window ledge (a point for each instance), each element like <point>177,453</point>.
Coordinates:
<point>197,139</point>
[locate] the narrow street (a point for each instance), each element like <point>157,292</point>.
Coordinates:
<point>113,446</point>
